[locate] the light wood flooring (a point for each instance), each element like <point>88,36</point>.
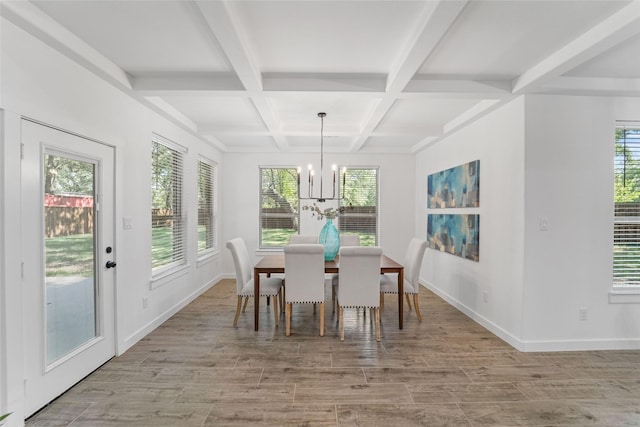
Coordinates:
<point>197,369</point>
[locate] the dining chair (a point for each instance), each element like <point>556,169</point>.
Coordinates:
<point>269,286</point>
<point>304,272</point>
<point>412,265</point>
<point>359,285</point>
<point>297,239</point>
<point>345,240</point>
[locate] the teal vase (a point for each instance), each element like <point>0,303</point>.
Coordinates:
<point>330,239</point>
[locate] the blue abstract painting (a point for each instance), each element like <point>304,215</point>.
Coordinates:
<point>457,234</point>
<point>458,187</point>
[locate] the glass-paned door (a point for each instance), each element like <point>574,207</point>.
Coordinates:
<point>68,255</point>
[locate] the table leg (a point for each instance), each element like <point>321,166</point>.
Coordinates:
<point>400,297</point>
<point>256,299</point>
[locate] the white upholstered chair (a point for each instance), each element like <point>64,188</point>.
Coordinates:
<point>412,264</point>
<point>345,240</point>
<point>304,271</point>
<point>297,239</point>
<point>269,286</point>
<point>359,285</point>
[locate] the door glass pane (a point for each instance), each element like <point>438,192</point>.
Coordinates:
<point>70,283</point>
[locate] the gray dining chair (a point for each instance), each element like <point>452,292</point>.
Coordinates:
<point>269,286</point>
<point>412,265</point>
<point>304,272</point>
<point>345,240</point>
<point>359,285</point>
<point>297,239</point>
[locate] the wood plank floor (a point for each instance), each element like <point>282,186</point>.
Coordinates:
<point>197,369</point>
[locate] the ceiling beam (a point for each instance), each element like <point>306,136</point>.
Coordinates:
<point>434,23</point>
<point>595,86</point>
<point>226,31</point>
<point>185,81</point>
<point>618,27</point>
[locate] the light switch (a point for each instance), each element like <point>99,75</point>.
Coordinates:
<point>544,223</point>
<point>127,223</point>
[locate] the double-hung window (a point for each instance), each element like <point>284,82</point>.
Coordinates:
<point>279,205</point>
<point>626,224</point>
<point>206,207</point>
<point>167,210</point>
<point>359,200</point>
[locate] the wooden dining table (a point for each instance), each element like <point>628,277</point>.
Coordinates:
<point>272,264</point>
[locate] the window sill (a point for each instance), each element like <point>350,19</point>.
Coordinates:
<point>207,257</point>
<point>167,276</point>
<point>624,295</point>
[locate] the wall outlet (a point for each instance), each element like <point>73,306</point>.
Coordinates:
<point>582,313</point>
<point>485,296</point>
<point>145,302</point>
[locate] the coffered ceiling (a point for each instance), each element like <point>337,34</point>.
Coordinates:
<point>393,76</point>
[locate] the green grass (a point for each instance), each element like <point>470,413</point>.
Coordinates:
<point>69,256</point>
<point>275,237</point>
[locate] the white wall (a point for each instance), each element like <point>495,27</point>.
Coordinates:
<point>39,83</point>
<point>497,141</point>
<point>541,157</point>
<point>569,181</point>
<point>240,205</point>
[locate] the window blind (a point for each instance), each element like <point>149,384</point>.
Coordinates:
<point>359,192</point>
<point>279,205</point>
<point>167,213</point>
<point>206,211</point>
<point>626,224</point>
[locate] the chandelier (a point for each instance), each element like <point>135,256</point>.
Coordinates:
<point>310,194</point>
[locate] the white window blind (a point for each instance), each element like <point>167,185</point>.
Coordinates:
<point>279,205</point>
<point>206,206</point>
<point>359,192</point>
<point>626,224</point>
<point>167,212</point>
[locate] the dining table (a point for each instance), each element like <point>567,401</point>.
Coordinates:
<point>274,264</point>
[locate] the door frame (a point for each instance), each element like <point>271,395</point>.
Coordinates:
<point>101,241</point>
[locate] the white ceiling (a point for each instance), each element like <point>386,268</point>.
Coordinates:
<point>393,76</point>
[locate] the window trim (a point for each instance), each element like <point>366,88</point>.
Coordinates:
<point>340,189</point>
<point>162,274</point>
<point>267,249</point>
<point>622,294</point>
<point>208,252</point>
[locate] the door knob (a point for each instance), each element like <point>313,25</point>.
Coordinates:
<point>110,264</point>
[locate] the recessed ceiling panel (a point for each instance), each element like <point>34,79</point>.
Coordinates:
<point>424,116</point>
<point>226,114</point>
<point>327,36</point>
<point>622,61</point>
<point>298,113</point>
<point>141,36</point>
<point>502,39</point>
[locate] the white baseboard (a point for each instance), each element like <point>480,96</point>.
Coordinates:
<point>149,327</point>
<point>533,346</point>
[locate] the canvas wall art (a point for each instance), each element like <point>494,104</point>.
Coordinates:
<point>458,187</point>
<point>457,234</point>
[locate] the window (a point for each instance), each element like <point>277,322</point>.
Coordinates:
<point>279,206</point>
<point>626,224</point>
<point>167,220</point>
<point>360,202</point>
<point>206,206</point>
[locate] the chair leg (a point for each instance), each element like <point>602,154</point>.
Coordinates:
<point>314,308</point>
<point>321,319</point>
<point>275,309</point>
<point>415,303</point>
<point>408,302</point>
<point>283,293</point>
<point>244,307</point>
<point>268,300</point>
<point>341,317</point>
<point>381,299</point>
<point>377,311</point>
<point>238,305</point>
<point>288,316</point>
<point>333,299</point>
